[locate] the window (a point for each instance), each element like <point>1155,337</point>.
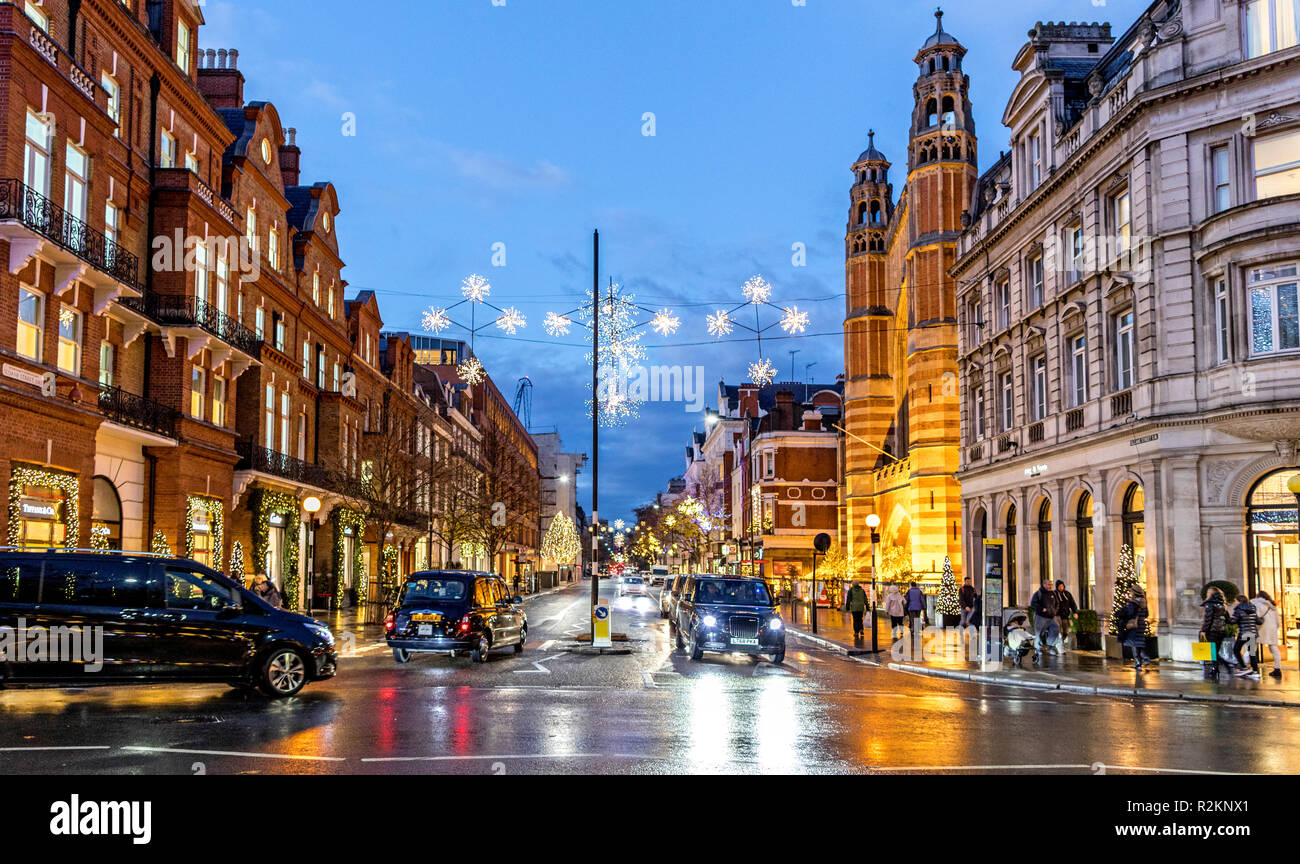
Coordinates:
<point>31,323</point>
<point>1124,350</point>
<point>1277,164</point>
<point>1035,160</point>
<point>279,332</point>
<point>259,323</point>
<point>36,160</point>
<point>38,16</point>
<point>218,400</point>
<point>1219,177</point>
<point>1038,387</point>
<point>250,229</point>
<point>113,95</point>
<point>198,388</point>
<point>191,162</point>
<point>106,584</point>
<point>335,388</point>
<point>189,590</point>
<point>1036,282</point>
<point>979,413</point>
<point>1007,400</point>
<point>223,281</point>
<point>273,249</point>
<point>1078,371</point>
<point>201,273</point>
<point>1003,292</point>
<point>1274,317</point>
<point>70,340</point>
<point>266,150</point>
<point>976,321</point>
<point>284,422</point>
<point>270,417</point>
<point>769,463</point>
<point>1271,25</point>
<point>320,367</point>
<point>1074,242</point>
<point>1122,220</point>
<point>306,359</point>
<point>111,222</point>
<point>107,359</point>
<point>167,150</point>
<point>315,288</point>
<point>331,302</point>
<point>183,46</point>
<point>76,182</point>
<point>302,436</point>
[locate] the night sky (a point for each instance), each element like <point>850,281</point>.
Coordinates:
<point>522,124</point>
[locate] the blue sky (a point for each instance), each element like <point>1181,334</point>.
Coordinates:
<point>521,124</point>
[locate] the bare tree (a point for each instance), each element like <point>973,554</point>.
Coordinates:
<point>507,506</point>
<point>454,478</point>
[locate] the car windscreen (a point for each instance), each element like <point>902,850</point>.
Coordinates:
<point>635,580</point>
<point>440,589</point>
<point>732,592</point>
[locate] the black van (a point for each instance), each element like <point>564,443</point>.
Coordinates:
<point>455,611</point>
<point>96,617</point>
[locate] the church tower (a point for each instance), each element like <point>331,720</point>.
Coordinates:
<point>902,404</point>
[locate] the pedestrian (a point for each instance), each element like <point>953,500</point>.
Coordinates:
<point>856,604</point>
<point>1245,616</point>
<point>915,606</point>
<point>896,608</point>
<point>1066,612</point>
<point>1044,605</point>
<point>1269,630</point>
<point>966,599</point>
<point>266,590</point>
<point>1132,625</point>
<point>1214,628</point>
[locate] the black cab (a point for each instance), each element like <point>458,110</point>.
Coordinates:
<point>728,614</point>
<point>455,611</point>
<point>100,617</point>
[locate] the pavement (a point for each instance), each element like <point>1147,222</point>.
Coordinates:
<point>1085,672</point>
<point>650,711</point>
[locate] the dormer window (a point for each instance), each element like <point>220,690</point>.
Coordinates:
<point>183,46</point>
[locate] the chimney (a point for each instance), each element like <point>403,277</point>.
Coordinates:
<point>220,80</point>
<point>748,401</point>
<point>289,158</point>
<point>784,412</point>
<point>812,421</point>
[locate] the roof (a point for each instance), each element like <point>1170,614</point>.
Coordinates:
<point>939,37</point>
<point>871,154</point>
<point>803,393</point>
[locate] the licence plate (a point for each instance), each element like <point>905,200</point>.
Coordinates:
<point>427,616</point>
<point>424,630</point>
<point>741,641</point>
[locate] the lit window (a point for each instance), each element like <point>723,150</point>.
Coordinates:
<point>218,400</point>
<point>167,150</point>
<point>70,340</point>
<point>1274,316</point>
<point>223,282</point>
<point>1124,350</point>
<point>31,323</point>
<point>1079,370</point>
<point>183,46</point>
<point>198,387</point>
<point>315,288</point>
<point>331,301</point>
<point>36,162</point>
<point>325,220</point>
<point>1271,25</point>
<point>270,417</point>
<point>266,150</point>
<point>250,229</point>
<point>306,359</point>
<point>113,97</point>
<point>284,422</point>
<point>1219,172</point>
<point>1277,164</point>
<point>107,360</point>
<point>1222,321</point>
<point>38,16</point>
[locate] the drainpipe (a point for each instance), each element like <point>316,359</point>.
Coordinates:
<point>152,461</point>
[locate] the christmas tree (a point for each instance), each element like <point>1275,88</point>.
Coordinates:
<point>947,603</point>
<point>1126,578</point>
<point>237,562</point>
<point>159,544</point>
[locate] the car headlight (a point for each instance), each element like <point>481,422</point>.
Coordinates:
<point>709,621</point>
<point>323,632</point>
<point>774,624</point>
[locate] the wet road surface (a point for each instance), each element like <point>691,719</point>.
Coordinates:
<point>651,711</point>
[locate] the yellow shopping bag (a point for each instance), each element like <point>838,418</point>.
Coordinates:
<point>1205,651</point>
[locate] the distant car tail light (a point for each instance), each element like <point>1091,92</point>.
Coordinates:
<point>389,623</point>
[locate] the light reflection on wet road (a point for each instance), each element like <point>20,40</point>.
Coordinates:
<point>648,712</point>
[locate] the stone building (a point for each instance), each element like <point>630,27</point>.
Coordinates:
<point>1128,344</point>
<point>900,395</point>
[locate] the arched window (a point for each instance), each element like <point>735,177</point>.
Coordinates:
<point>1135,522</point>
<point>1011,556</point>
<point>1045,540</point>
<point>862,212</point>
<point>949,113</point>
<point>931,111</point>
<point>1274,546</point>
<point>106,518</point>
<point>1087,567</point>
<point>875,212</point>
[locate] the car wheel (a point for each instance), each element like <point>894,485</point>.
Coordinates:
<point>779,657</point>
<point>284,673</point>
<point>697,653</point>
<point>523,637</point>
<point>480,652</point>
<point>401,655</point>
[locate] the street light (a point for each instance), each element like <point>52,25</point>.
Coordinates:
<point>873,523</point>
<point>311,505</point>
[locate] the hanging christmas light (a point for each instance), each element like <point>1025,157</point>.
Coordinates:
<point>794,321</point>
<point>471,371</point>
<point>665,323</point>
<point>757,291</point>
<point>720,323</point>
<point>511,320</point>
<point>475,288</point>
<point>557,325</point>
<point>436,320</point>
<point>762,373</point>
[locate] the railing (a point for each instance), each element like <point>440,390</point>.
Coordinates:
<point>1121,404</point>
<point>50,50</point>
<point>1074,420</point>
<point>177,311</point>
<point>38,213</point>
<point>1005,443</point>
<point>140,412</point>
<point>255,458</point>
<point>1036,433</point>
<point>975,453</point>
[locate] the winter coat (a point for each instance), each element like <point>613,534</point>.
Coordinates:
<point>1214,623</point>
<point>1246,619</point>
<point>966,597</point>
<point>268,592</point>
<point>915,600</point>
<point>1065,605</point>
<point>1268,621</point>
<point>857,599</point>
<point>1135,612</point>
<point>894,604</point>
<point>1043,603</point>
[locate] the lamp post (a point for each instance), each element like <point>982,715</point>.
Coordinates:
<point>873,523</point>
<point>311,505</point>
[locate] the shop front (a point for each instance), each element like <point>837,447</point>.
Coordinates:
<point>43,507</point>
<point>205,531</point>
<point>1273,547</point>
<point>277,537</point>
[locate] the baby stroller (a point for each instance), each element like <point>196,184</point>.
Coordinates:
<point>1017,638</point>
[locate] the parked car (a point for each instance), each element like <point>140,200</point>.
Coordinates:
<point>453,612</point>
<point>162,619</point>
<point>672,590</point>
<point>728,614</point>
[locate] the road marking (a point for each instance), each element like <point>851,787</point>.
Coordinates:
<point>648,680</point>
<point>31,749</point>
<point>546,645</point>
<point>480,758</point>
<point>1108,767</point>
<point>540,669</point>
<point>235,753</point>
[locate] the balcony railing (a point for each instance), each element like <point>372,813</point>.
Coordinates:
<point>1074,420</point>
<point>1121,404</point>
<point>177,311</point>
<point>139,412</point>
<point>255,458</point>
<point>20,202</point>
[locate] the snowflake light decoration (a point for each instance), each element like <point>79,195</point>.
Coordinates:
<point>757,291</point>
<point>619,525</point>
<point>511,320</point>
<point>794,321</point>
<point>471,371</point>
<point>475,288</point>
<point>665,323</point>
<point>762,373</point>
<point>436,320</point>
<point>720,323</point>
<point>557,325</point>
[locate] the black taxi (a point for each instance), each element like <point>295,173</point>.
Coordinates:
<point>453,612</point>
<point>728,614</point>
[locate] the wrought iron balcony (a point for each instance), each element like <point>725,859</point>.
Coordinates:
<point>139,412</point>
<point>20,203</point>
<point>255,458</point>
<point>185,311</point>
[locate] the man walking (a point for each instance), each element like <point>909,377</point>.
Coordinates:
<point>915,606</point>
<point>966,599</point>
<point>1247,621</point>
<point>856,603</point>
<point>1044,605</point>
<point>1066,611</point>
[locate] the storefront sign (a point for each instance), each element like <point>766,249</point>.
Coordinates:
<point>275,520</point>
<point>40,508</point>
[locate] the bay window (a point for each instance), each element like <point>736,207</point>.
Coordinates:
<point>1274,312</point>
<point>1277,164</point>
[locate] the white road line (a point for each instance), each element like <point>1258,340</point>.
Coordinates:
<point>1106,767</point>
<point>540,669</point>
<point>31,749</point>
<point>648,680</point>
<point>235,753</point>
<point>481,758</point>
<point>546,645</point>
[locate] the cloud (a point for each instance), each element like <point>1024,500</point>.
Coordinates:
<point>499,174</point>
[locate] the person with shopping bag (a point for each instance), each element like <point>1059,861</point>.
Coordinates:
<point>1214,629</point>
<point>1270,627</point>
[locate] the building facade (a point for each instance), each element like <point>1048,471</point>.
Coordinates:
<point>900,332</point>
<point>1128,294</point>
<point>558,490</point>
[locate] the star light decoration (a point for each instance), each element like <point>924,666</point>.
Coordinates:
<point>475,290</point>
<point>758,293</point>
<point>471,371</point>
<point>511,320</point>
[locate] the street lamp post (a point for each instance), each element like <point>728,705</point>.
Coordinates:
<point>873,523</point>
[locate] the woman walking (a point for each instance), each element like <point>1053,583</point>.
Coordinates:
<point>1214,629</point>
<point>1269,629</point>
<point>1133,627</point>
